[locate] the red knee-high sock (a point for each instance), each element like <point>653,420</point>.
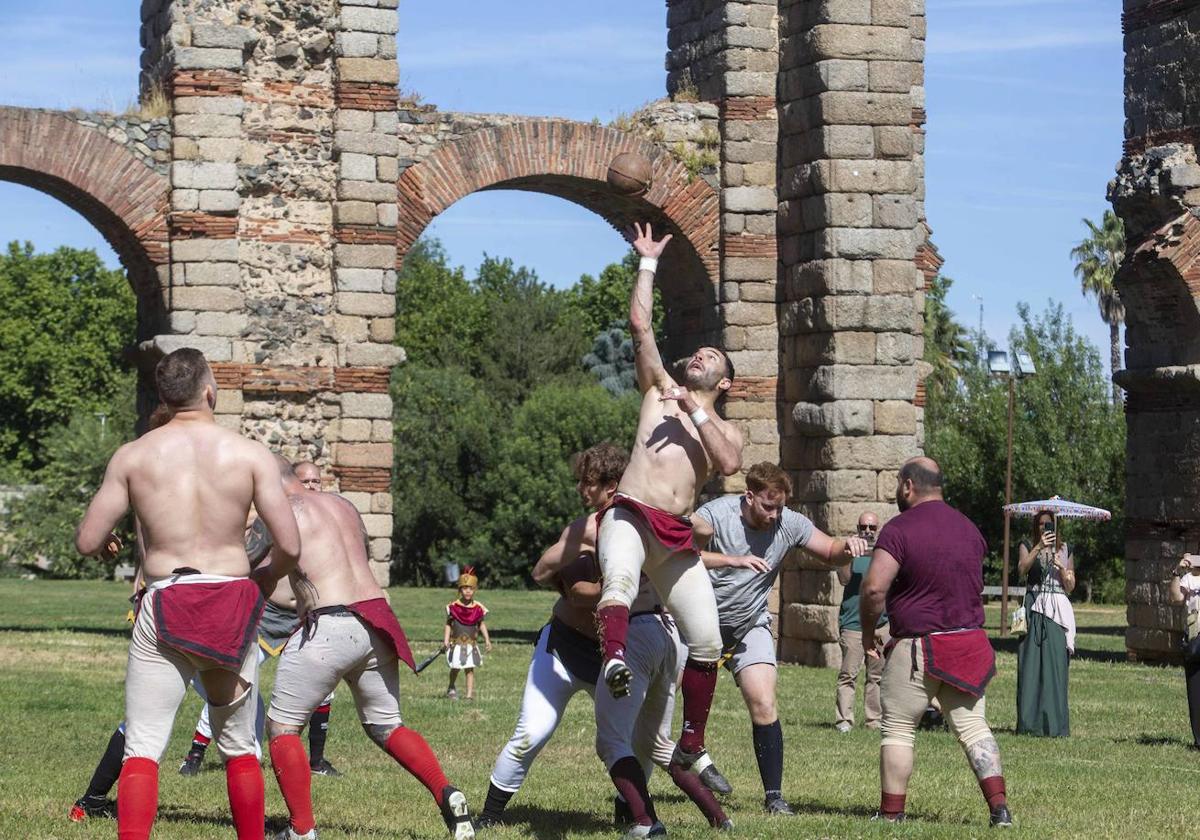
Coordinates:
<point>699,684</point>
<point>630,781</point>
<point>993,791</point>
<point>413,754</point>
<point>703,798</point>
<point>614,628</point>
<point>891,805</point>
<point>247,799</point>
<point>295,780</point>
<point>137,791</point>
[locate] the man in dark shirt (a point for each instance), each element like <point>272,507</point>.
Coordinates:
<point>928,568</point>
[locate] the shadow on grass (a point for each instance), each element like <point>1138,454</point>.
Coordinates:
<point>1147,739</point>
<point>814,808</point>
<point>526,637</point>
<point>554,824</point>
<point>1010,645</point>
<point>63,628</point>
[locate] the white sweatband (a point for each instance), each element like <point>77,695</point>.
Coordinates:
<point>699,417</point>
<point>648,264</point>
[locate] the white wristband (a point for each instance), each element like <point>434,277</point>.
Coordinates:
<point>648,264</point>
<point>699,417</point>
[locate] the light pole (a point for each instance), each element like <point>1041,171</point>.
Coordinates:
<point>999,367</point>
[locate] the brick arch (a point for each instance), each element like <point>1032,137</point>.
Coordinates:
<point>122,196</point>
<point>570,160</point>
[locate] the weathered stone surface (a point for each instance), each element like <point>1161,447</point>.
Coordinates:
<point>367,405</point>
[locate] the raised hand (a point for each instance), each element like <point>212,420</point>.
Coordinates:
<point>642,240</point>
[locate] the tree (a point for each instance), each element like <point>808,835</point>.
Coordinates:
<point>1097,259</point>
<point>444,427</point>
<point>604,301</point>
<point>440,321</point>
<point>65,323</point>
<point>530,491</point>
<point>40,527</point>
<point>1068,439</point>
<point>612,361</point>
<point>947,347</point>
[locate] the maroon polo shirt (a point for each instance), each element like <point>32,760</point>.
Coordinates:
<point>940,582</point>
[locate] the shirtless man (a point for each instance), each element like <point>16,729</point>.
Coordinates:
<point>191,483</point>
<point>278,622</point>
<point>349,633</point>
<point>680,442</point>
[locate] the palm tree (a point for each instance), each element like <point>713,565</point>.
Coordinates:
<point>947,346</point>
<point>1097,259</point>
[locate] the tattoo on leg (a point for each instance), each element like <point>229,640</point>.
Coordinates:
<point>985,758</point>
<point>379,733</point>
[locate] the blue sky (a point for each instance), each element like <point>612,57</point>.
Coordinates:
<point>1024,100</point>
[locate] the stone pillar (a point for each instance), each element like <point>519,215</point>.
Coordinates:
<point>1157,194</point>
<point>282,224</point>
<point>850,289</point>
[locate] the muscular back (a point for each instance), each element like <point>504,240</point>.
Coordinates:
<point>333,566</point>
<point>191,485</point>
<point>668,464</point>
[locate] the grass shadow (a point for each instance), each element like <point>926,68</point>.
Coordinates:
<point>95,631</point>
<point>527,637</point>
<point>555,824</point>
<point>814,808</point>
<point>1010,644</point>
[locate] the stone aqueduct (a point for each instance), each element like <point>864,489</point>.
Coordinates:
<point>262,221</point>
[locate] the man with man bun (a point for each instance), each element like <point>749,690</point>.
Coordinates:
<point>191,483</point>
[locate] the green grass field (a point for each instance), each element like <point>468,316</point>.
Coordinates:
<point>1124,772</point>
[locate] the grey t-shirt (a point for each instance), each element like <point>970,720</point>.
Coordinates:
<point>742,593</point>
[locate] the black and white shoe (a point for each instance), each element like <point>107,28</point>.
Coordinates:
<point>879,816</point>
<point>637,832</point>
<point>1001,817</point>
<point>702,765</point>
<point>617,677</point>
<point>290,834</point>
<point>456,814</point>
<point>193,762</point>
<point>777,806</point>
<point>324,768</point>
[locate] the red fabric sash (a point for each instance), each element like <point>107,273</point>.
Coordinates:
<point>379,616</point>
<point>965,660</point>
<point>214,621</point>
<point>468,616</point>
<point>672,530</point>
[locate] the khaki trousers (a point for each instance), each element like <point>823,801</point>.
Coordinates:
<point>906,691</point>
<point>852,662</point>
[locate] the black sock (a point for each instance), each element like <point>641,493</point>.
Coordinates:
<point>768,749</point>
<point>318,727</point>
<point>109,767</point>
<point>496,802</point>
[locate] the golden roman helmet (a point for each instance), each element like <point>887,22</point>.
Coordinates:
<point>467,578</point>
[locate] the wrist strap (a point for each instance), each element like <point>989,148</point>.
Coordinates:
<point>699,417</point>
<point>648,264</point>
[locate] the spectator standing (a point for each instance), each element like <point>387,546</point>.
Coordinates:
<point>1185,589</point>
<point>850,638</point>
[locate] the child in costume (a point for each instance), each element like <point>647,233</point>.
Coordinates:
<point>464,623</point>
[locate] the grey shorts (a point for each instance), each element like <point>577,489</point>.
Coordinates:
<point>341,648</point>
<point>755,648</point>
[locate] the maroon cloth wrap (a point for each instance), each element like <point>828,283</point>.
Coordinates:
<point>378,615</point>
<point>214,621</point>
<point>965,660</point>
<point>670,529</point>
<point>467,615</point>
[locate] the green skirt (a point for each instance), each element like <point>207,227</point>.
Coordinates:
<point>1042,664</point>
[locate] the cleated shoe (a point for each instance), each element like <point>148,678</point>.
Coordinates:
<point>638,831</point>
<point>290,834</point>
<point>617,676</point>
<point>844,727</point>
<point>726,826</point>
<point>193,762</point>
<point>324,768</point>
<point>777,806</point>
<point>879,816</point>
<point>89,806</point>
<point>456,814</point>
<point>701,764</point>
<point>1001,818</point>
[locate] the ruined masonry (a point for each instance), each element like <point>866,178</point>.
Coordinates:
<point>263,221</point>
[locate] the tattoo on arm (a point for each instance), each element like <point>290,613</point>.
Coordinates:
<point>985,758</point>
<point>258,542</point>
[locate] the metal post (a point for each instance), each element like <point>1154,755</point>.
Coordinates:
<point>1012,389</point>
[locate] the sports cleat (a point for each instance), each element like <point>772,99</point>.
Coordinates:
<point>638,831</point>
<point>486,822</point>
<point>88,806</point>
<point>701,764</point>
<point>451,694</point>
<point>456,814</point>
<point>617,677</point>
<point>777,806</point>
<point>192,763</point>
<point>290,834</point>
<point>621,813</point>
<point>726,826</point>
<point>324,768</point>
<point>844,727</point>
<point>1001,818</point>
<point>879,816</point>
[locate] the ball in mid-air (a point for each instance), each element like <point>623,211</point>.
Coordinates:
<point>630,174</point>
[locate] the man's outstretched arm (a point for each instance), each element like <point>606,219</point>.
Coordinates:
<point>92,537</point>
<point>650,370</point>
